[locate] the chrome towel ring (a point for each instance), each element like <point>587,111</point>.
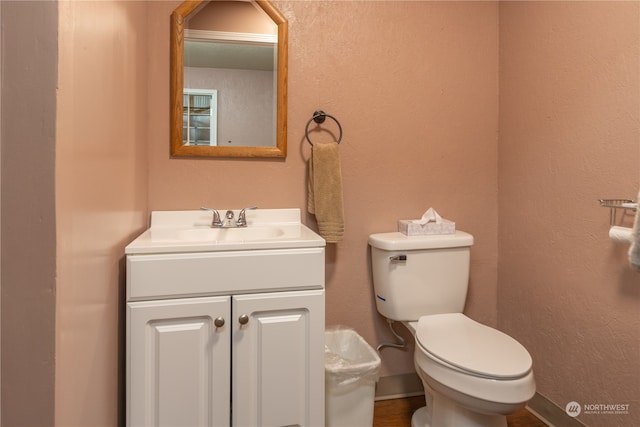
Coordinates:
<point>319,116</point>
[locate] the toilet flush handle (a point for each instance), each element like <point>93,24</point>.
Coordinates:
<point>398,259</point>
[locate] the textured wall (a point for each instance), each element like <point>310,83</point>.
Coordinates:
<point>29,61</point>
<point>569,135</point>
<point>101,200</point>
<point>414,85</point>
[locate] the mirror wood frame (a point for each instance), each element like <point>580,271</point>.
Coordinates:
<point>178,149</point>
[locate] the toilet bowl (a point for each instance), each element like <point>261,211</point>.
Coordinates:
<point>473,375</point>
<point>473,380</point>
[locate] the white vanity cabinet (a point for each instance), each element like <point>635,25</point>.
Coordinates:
<point>219,337</point>
<point>278,360</point>
<point>182,366</point>
<point>178,362</point>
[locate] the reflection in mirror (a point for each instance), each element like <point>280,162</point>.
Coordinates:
<point>228,79</point>
<point>200,117</point>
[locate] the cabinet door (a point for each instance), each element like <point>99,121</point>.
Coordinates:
<point>278,359</point>
<point>178,362</point>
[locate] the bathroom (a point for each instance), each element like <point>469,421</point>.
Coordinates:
<point>511,118</point>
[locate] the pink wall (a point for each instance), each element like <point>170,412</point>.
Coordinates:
<point>234,16</point>
<point>569,135</point>
<point>415,89</point>
<point>29,80</point>
<point>101,200</point>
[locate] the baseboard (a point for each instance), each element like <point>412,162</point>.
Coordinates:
<point>398,386</point>
<point>407,385</point>
<point>551,413</point>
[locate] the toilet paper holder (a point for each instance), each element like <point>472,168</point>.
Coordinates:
<point>616,205</point>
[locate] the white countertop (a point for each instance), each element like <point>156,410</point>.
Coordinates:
<point>191,231</point>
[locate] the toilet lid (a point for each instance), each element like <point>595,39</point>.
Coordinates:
<point>473,347</point>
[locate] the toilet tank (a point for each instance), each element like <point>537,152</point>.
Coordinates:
<point>415,276</point>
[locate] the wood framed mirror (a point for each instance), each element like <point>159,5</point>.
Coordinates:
<point>225,101</point>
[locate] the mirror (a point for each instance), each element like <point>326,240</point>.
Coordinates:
<point>228,90</point>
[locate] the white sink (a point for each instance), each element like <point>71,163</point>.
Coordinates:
<point>191,231</point>
<point>230,234</point>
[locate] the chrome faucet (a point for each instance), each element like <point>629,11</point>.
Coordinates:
<point>242,219</point>
<point>229,220</point>
<point>216,217</point>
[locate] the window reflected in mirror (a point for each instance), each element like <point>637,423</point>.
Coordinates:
<point>200,117</point>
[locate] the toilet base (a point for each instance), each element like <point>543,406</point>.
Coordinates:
<point>421,418</point>
<point>447,407</point>
<point>446,414</point>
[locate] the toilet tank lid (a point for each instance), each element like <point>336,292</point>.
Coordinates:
<point>397,241</point>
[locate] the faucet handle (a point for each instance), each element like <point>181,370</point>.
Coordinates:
<point>242,219</point>
<point>216,217</point>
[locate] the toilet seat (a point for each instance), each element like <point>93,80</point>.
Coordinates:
<point>471,347</point>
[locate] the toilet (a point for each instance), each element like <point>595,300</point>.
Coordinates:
<point>473,375</point>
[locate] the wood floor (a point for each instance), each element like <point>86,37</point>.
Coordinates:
<point>397,413</point>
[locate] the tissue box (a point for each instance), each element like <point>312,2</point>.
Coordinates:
<point>410,228</point>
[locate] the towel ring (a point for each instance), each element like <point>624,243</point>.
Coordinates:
<point>319,116</point>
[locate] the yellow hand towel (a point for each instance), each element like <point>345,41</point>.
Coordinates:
<point>634,250</point>
<point>325,191</point>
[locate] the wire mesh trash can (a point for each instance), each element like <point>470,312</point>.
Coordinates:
<point>351,371</point>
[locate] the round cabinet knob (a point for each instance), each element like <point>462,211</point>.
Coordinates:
<point>219,322</point>
<point>244,319</point>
